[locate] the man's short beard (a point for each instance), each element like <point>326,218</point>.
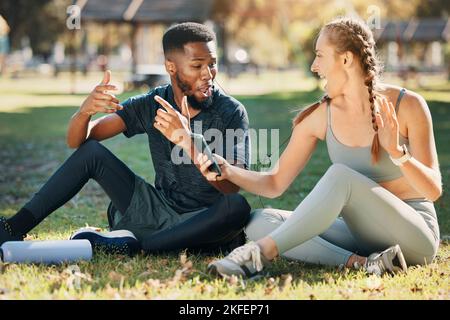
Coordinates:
<point>193,102</point>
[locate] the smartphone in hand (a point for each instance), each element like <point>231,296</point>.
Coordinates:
<point>202,146</point>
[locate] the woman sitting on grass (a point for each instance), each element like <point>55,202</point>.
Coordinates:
<point>377,195</point>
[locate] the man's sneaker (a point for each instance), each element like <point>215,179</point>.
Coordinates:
<point>6,233</point>
<point>390,260</point>
<point>246,261</point>
<point>113,242</point>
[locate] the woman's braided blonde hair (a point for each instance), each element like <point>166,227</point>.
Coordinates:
<point>350,34</point>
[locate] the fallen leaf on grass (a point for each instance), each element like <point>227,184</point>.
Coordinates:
<point>115,276</point>
<point>373,283</point>
<point>270,286</point>
<point>181,274</point>
<point>74,277</point>
<point>345,293</point>
<point>416,288</point>
<point>286,282</point>
<point>3,266</point>
<point>329,279</point>
<point>154,283</point>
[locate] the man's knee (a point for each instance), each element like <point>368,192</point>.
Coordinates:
<point>91,149</point>
<point>238,209</point>
<point>90,145</point>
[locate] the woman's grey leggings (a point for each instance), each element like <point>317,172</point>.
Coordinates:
<point>371,220</point>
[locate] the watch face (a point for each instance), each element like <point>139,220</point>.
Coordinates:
<point>405,157</point>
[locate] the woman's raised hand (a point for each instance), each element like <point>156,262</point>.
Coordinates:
<point>388,128</point>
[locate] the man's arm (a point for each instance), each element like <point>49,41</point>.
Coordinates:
<point>81,129</point>
<point>99,100</point>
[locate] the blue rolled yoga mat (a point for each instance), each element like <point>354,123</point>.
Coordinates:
<point>46,252</point>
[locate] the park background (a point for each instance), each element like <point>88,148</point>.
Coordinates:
<point>53,61</point>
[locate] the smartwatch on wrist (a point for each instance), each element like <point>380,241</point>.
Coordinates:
<point>400,161</point>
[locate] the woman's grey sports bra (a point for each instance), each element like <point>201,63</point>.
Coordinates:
<point>360,158</point>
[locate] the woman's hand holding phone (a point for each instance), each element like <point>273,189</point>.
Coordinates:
<point>205,164</point>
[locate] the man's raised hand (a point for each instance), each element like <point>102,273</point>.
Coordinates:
<point>99,100</point>
<point>172,124</point>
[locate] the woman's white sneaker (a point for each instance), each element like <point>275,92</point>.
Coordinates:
<point>390,260</point>
<point>246,261</point>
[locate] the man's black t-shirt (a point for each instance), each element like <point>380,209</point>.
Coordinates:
<point>182,184</point>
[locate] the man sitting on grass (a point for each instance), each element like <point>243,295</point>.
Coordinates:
<point>182,209</point>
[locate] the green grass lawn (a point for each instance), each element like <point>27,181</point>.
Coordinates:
<point>32,146</point>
